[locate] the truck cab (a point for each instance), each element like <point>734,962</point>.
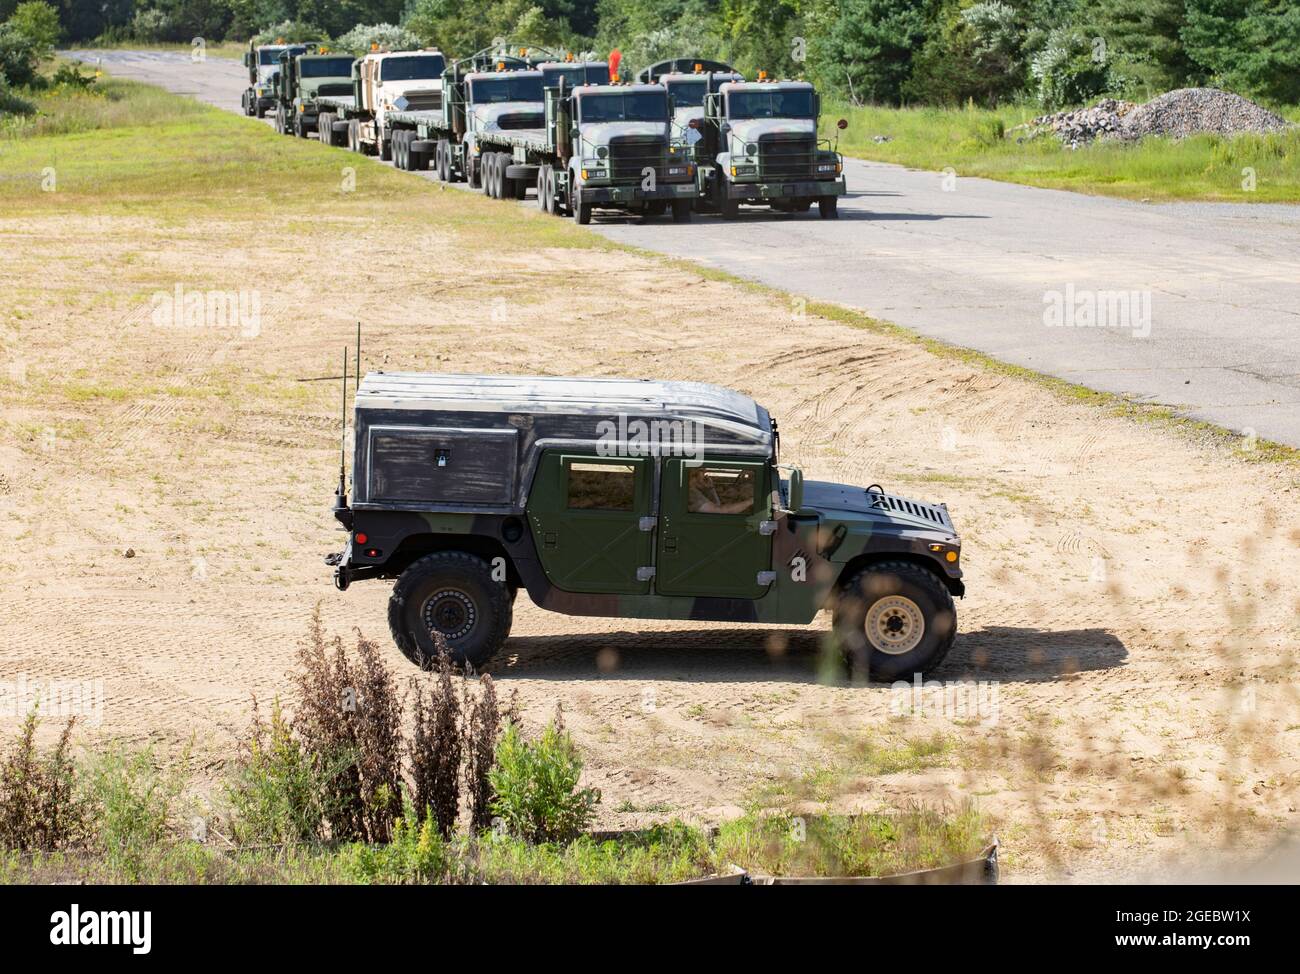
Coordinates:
<point>262,62</point>
<point>621,152</point>
<point>625,498</point>
<point>759,145</point>
<point>499,101</point>
<point>302,79</point>
<point>687,91</point>
<point>399,81</point>
<point>574,73</point>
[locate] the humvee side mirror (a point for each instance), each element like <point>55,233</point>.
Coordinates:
<point>842,124</point>
<point>248,60</point>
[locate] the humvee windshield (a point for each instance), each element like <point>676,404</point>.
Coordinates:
<point>773,103</point>
<point>272,55</point>
<point>687,94</point>
<point>493,91</point>
<point>576,74</point>
<point>641,106</point>
<point>325,67</point>
<point>424,67</point>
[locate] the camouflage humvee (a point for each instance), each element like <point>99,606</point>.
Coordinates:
<point>625,498</point>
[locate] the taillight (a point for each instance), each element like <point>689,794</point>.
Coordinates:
<point>361,538</point>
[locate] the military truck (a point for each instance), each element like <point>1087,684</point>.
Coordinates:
<point>602,147</point>
<point>386,86</point>
<point>759,145</point>
<point>687,91</point>
<point>262,62</point>
<point>303,79</point>
<point>624,498</point>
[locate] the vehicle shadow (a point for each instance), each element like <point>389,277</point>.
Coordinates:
<point>1008,654</point>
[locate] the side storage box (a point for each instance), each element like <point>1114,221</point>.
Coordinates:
<point>442,465</point>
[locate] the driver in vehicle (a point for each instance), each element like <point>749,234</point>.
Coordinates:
<point>704,499</point>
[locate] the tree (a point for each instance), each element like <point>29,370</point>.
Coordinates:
<point>869,47</point>
<point>39,23</point>
<point>1249,45</point>
<point>1143,39</point>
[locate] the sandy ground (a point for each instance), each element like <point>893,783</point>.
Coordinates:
<point>1131,592</point>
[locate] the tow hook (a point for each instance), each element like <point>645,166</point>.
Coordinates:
<point>341,579</point>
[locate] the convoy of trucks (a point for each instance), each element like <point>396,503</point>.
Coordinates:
<point>263,64</point>
<point>688,136</point>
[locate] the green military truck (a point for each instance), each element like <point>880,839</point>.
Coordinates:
<point>263,63</point>
<point>631,499</point>
<point>304,78</point>
<point>759,145</point>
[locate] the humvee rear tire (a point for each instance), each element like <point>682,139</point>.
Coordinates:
<point>454,593</point>
<point>894,620</point>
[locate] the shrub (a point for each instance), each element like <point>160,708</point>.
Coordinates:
<point>416,854</point>
<point>348,718</point>
<point>134,803</point>
<point>39,806</point>
<point>536,788</point>
<point>435,748</point>
<point>482,730</point>
<point>1069,70</point>
<point>290,32</point>
<point>276,796</point>
<point>11,104</point>
<point>387,36</point>
<point>19,57</point>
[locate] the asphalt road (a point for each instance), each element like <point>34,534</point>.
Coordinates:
<point>1201,301</point>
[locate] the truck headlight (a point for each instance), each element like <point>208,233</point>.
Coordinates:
<point>827,167</point>
<point>602,151</point>
<point>679,170</point>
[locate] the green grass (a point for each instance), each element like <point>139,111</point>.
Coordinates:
<point>973,142</point>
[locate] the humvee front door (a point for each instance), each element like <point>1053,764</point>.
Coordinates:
<point>711,541</point>
<point>590,518</point>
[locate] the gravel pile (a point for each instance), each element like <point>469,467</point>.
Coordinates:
<point>1189,111</point>
<point>1080,125</point>
<point>1175,114</point>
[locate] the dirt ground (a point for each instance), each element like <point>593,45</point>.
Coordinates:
<point>1131,592</point>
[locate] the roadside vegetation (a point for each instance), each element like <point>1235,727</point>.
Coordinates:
<point>333,788</point>
<point>974,141</point>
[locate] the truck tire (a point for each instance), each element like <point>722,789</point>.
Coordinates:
<point>829,207</point>
<point>541,188</point>
<point>581,213</point>
<point>324,123</point>
<point>385,148</point>
<point>895,619</point>
<point>354,142</point>
<point>502,187</point>
<point>728,208</point>
<point>279,121</point>
<point>400,158</point>
<point>473,170</point>
<point>444,160</point>
<point>681,211</point>
<point>259,111</point>
<point>454,593</point>
<point>339,132</point>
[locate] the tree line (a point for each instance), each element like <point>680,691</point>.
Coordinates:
<point>1055,52</point>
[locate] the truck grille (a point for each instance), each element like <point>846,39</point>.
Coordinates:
<point>631,155</point>
<point>521,120</point>
<point>334,89</point>
<point>786,158</point>
<point>422,101</point>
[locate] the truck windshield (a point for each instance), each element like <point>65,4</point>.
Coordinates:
<point>325,67</point>
<point>773,103</point>
<point>492,91</point>
<point>641,106</point>
<point>687,94</point>
<point>271,55</point>
<point>576,74</point>
<point>421,68</point>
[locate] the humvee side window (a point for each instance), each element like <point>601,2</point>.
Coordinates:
<point>720,490</point>
<point>601,486</point>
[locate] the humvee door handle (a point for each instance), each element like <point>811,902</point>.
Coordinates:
<point>766,528</point>
<point>648,523</point>
<point>645,574</point>
<point>766,578</point>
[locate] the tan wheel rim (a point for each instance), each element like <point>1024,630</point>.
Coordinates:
<point>895,625</point>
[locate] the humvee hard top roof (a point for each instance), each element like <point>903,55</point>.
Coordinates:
<point>561,394</point>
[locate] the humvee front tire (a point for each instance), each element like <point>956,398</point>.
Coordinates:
<point>894,620</point>
<point>454,593</point>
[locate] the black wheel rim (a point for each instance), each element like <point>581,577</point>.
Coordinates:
<point>450,612</point>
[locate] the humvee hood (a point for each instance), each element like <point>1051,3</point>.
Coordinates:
<point>841,499</point>
<point>751,130</point>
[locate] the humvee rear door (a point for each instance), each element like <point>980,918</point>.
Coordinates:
<point>710,542</point>
<point>586,515</point>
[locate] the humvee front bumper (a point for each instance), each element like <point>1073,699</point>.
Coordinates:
<point>634,193</point>
<point>786,189</point>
